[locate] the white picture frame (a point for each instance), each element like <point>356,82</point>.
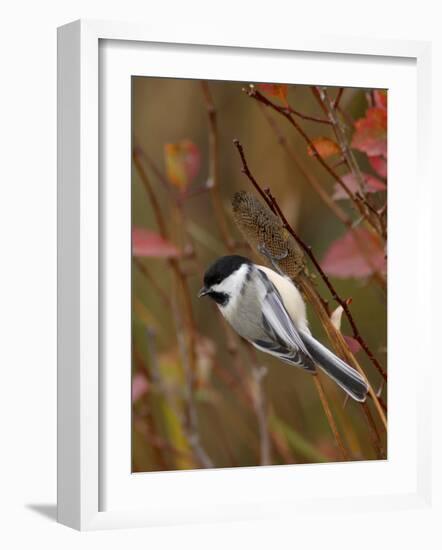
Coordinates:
<point>95,487</point>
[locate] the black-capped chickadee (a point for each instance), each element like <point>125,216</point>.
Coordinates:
<point>268,310</point>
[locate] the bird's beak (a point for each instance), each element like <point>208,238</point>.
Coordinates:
<point>203,291</point>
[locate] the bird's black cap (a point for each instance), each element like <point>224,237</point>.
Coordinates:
<point>222,268</point>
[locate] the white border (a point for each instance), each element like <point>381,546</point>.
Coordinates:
<point>78,313</point>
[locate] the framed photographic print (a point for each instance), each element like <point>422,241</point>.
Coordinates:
<point>234,228</point>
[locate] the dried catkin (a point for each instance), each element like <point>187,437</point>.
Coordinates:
<point>262,228</point>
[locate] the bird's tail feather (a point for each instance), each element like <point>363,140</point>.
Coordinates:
<point>344,375</point>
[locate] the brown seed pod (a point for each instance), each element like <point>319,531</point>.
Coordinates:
<point>264,230</point>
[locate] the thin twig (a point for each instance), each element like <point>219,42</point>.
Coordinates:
<point>260,404</point>
<point>327,106</point>
<point>307,117</point>
<point>161,292</point>
<point>378,215</point>
<point>245,170</point>
<point>191,424</point>
<point>214,167</point>
<point>319,189</point>
<point>163,232</point>
<point>148,188</point>
<point>382,402</point>
<point>261,413</point>
<point>236,382</point>
<point>255,399</point>
<point>329,415</point>
<point>338,98</point>
<point>340,346</point>
<point>374,433</point>
<point>160,443</point>
<point>339,129</point>
<point>150,424</point>
<point>141,153</point>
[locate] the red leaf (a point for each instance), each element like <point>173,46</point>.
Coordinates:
<point>183,161</point>
<point>275,90</point>
<point>148,244</point>
<point>370,136</point>
<point>325,146</point>
<point>356,254</point>
<point>379,165</point>
<point>380,99</point>
<point>372,185</point>
<point>140,386</point>
<point>353,344</point>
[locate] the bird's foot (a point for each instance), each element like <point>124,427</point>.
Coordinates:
<point>262,249</point>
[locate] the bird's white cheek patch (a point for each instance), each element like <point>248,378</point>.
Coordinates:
<point>233,283</point>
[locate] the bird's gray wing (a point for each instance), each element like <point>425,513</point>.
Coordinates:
<point>283,339</point>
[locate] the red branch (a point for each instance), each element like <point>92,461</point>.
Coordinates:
<point>245,170</point>
<point>338,98</point>
<point>307,117</point>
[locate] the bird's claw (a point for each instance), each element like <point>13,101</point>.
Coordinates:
<point>262,249</point>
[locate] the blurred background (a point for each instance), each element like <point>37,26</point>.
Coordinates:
<point>200,397</point>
